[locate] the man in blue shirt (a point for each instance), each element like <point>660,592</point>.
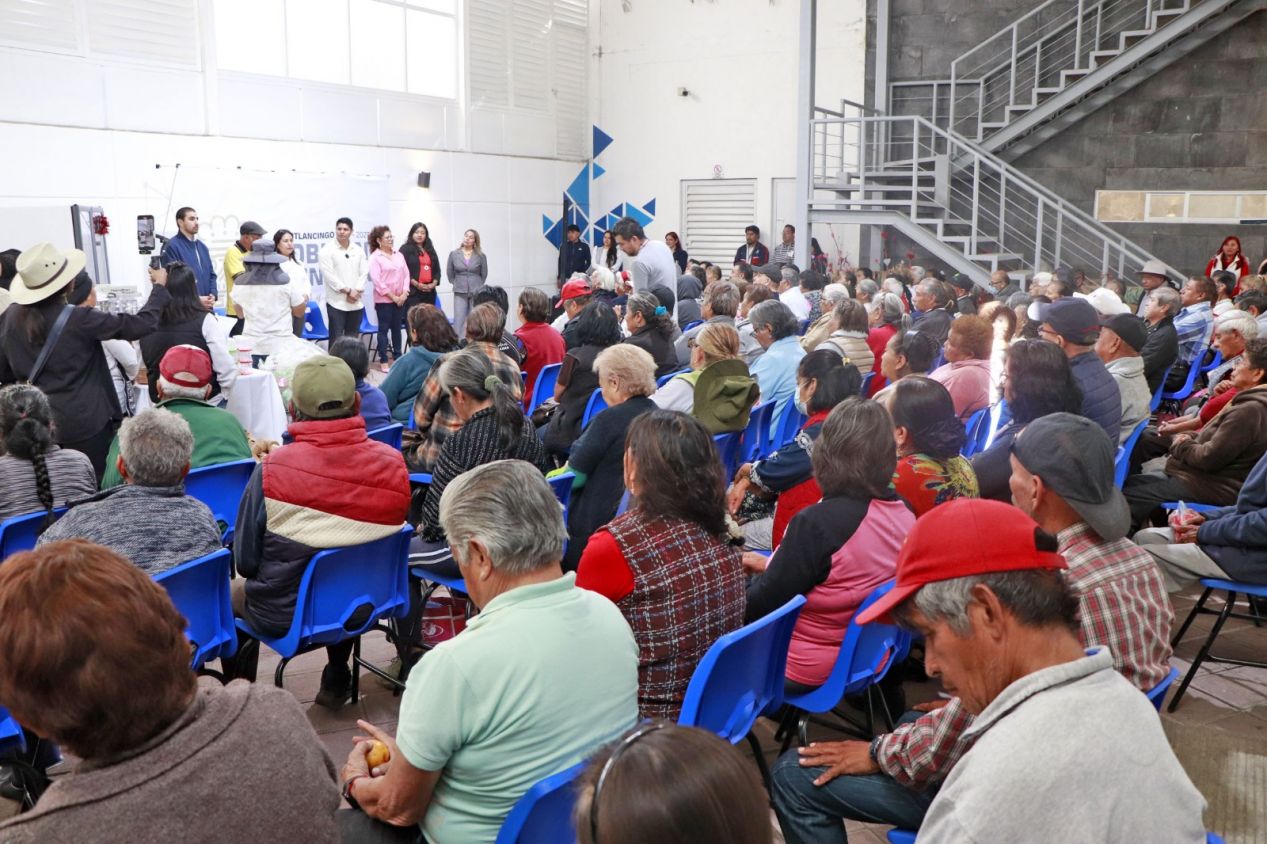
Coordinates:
<point>774,327</point>
<point>1195,322</point>
<point>185,247</point>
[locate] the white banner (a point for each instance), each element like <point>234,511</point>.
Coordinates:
<point>305,203</point>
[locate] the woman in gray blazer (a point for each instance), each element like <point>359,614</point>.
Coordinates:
<point>468,269</point>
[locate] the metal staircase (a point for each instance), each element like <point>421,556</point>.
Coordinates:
<point>1059,63</point>
<point>951,196</point>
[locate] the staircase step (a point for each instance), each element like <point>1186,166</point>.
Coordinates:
<point>1075,73</point>
<point>1167,14</point>
<point>997,256</point>
<point>1100,57</point>
<point>992,125</point>
<point>1044,92</point>
<point>1020,109</point>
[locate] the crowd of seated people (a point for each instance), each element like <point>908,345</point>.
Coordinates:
<point>589,617</point>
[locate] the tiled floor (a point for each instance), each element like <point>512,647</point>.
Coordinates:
<point>1229,699</point>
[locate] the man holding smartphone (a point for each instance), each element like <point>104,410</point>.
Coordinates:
<point>186,248</point>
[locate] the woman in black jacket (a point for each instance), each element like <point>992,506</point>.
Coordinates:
<point>185,322</point>
<point>651,328</point>
<point>424,267</point>
<point>75,376</point>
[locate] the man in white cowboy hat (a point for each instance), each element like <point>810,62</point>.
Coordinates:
<point>1151,276</point>
<point>73,371</point>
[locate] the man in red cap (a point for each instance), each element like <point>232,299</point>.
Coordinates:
<point>184,385</point>
<point>573,298</point>
<point>1061,746</point>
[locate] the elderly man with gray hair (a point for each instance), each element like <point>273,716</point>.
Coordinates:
<point>542,677</point>
<point>720,304</point>
<point>149,519</point>
<point>992,597</point>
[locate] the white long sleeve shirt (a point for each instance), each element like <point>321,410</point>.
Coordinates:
<point>343,270</point>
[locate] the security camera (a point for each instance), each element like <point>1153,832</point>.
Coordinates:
<point>682,92</point>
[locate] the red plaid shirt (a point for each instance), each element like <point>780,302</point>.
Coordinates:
<point>1122,604</point>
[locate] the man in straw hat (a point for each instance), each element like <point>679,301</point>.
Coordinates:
<point>1062,481</point>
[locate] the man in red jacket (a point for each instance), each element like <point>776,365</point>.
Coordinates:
<point>330,487</point>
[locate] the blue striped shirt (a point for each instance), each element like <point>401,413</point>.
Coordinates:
<point>1194,325</point>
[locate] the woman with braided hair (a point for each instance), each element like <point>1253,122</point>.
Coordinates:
<point>493,428</point>
<point>35,474</point>
<point>652,329</point>
<point>929,435</point>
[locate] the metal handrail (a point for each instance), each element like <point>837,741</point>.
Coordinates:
<point>1058,36</point>
<point>995,199</point>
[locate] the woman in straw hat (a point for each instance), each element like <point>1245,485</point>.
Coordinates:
<point>57,347</point>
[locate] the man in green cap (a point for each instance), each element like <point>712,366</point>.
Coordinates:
<point>329,488</point>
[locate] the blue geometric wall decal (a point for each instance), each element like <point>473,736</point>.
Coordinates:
<point>598,171</point>
<point>650,207</point>
<point>601,142</point>
<point>579,190</point>
<point>576,218</point>
<point>638,214</point>
<point>612,219</point>
<point>555,233</point>
<point>619,210</point>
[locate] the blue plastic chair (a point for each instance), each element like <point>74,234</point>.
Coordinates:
<point>219,311</point>
<point>370,329</point>
<point>740,677</point>
<point>1123,462</point>
<point>867,377</point>
<point>664,379</point>
<point>692,324</point>
<point>221,487</point>
<point>1194,369</point>
<point>866,654</point>
<point>623,506</point>
<point>11,737</point>
<point>389,434</point>
<point>593,407</point>
<point>728,450</point>
<point>802,327</point>
<point>423,478</point>
<point>986,431</point>
<point>788,426</point>
<point>1232,588</point>
<point>200,590</point>
<point>1157,694</point>
<point>755,437</point>
<point>973,429</point>
<point>314,324</point>
<point>20,532</point>
<point>544,387</point>
<point>1155,402</point>
<point>345,592</point>
<point>561,486</point>
<point>544,814</point>
<point>901,836</point>
<point>1215,362</point>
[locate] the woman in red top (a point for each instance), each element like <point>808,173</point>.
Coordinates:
<point>542,344</point>
<point>887,315</point>
<point>1230,258</point>
<point>667,562</point>
<point>929,435</point>
<point>424,267</point>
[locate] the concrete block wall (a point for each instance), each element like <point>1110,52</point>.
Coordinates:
<point>1197,125</point>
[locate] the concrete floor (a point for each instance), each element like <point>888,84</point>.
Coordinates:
<point>1229,700</point>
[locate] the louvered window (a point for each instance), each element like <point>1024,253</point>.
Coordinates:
<point>570,71</point>
<point>158,31</point>
<point>714,214</point>
<point>40,25</point>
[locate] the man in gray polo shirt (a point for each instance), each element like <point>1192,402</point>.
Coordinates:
<point>652,265</point>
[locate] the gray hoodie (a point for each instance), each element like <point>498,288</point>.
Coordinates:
<point>1131,383</point>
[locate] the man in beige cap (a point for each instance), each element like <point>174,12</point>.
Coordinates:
<point>330,487</point>
<point>1151,276</point>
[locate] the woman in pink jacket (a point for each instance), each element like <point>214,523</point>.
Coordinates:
<point>390,275</point>
<point>836,552</point>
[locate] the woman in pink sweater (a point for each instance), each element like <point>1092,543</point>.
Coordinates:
<point>839,550</point>
<point>390,275</point>
<point>966,373</point>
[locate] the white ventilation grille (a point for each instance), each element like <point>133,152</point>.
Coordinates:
<point>714,214</point>
<point>488,52</point>
<point>40,25</point>
<point>163,31</point>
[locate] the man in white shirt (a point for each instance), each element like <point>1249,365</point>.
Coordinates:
<point>782,253</point>
<point>653,265</point>
<point>343,270</point>
<point>790,293</point>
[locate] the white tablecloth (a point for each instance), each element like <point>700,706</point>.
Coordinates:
<point>255,401</point>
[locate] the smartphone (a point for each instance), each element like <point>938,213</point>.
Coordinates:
<point>145,233</point>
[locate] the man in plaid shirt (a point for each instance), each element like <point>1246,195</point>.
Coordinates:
<point>1194,325</point>
<point>1062,476</point>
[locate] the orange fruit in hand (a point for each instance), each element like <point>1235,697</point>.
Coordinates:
<point>378,754</point>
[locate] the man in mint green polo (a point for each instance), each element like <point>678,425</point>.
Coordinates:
<point>184,382</point>
<point>542,677</point>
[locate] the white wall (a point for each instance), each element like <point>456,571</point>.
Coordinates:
<point>738,59</point>
<point>52,167</point>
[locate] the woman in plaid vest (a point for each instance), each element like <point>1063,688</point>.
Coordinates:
<point>668,562</point>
